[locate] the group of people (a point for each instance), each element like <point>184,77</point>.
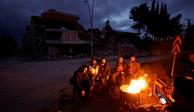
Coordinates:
<point>87,78</point>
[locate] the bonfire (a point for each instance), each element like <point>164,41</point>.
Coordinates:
<point>136,85</point>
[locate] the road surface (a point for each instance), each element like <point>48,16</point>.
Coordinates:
<point>32,86</point>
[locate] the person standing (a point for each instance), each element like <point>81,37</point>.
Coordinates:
<point>104,75</point>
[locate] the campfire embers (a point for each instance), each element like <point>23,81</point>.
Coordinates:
<point>136,95</point>
<point>130,93</point>
<point>136,86</point>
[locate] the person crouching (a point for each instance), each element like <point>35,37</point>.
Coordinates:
<point>81,83</point>
<point>93,73</point>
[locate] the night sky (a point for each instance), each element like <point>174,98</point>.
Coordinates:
<point>15,14</point>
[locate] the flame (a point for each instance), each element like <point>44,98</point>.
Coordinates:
<point>137,85</point>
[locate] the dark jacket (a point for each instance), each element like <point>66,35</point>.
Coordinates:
<point>81,80</point>
<point>104,70</point>
<point>120,67</point>
<point>134,68</point>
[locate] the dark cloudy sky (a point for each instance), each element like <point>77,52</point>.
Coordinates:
<point>15,14</point>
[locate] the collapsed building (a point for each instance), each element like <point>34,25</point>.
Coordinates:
<point>58,34</point>
<point>55,34</point>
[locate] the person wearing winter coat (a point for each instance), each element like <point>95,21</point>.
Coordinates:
<point>104,75</point>
<point>93,72</point>
<point>81,83</point>
<point>134,67</point>
<point>120,71</point>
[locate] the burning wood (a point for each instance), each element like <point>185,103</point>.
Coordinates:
<point>136,86</point>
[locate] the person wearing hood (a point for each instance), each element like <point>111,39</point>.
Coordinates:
<point>81,83</point>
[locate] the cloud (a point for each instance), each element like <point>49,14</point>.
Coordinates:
<point>120,21</point>
<point>15,14</point>
<point>118,18</point>
<point>123,28</point>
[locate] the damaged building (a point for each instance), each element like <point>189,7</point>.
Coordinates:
<point>56,34</point>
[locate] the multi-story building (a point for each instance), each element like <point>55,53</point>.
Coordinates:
<point>56,34</point>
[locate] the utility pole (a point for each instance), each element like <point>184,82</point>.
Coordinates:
<point>91,12</point>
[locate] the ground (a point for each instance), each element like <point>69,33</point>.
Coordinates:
<point>36,86</point>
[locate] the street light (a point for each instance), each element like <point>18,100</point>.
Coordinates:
<point>91,23</point>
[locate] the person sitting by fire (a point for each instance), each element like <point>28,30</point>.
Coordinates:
<point>104,75</point>
<point>120,71</point>
<point>81,83</point>
<point>93,72</point>
<point>134,67</point>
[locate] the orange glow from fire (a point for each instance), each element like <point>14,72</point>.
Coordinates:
<point>137,85</point>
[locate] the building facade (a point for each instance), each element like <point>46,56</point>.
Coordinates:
<point>56,34</point>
